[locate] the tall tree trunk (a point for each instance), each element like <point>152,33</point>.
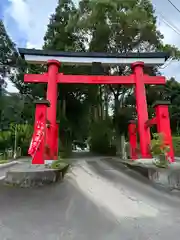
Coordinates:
<point>116,111</point>
<point>96,115</point>
<point>123,151</point>
<point>120,138</point>
<point>101,104</point>
<point>106,103</point>
<point>64,108</point>
<point>177,127</point>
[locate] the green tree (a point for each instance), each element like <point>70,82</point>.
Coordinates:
<point>8,56</point>
<point>57,37</point>
<point>119,27</point>
<point>71,98</point>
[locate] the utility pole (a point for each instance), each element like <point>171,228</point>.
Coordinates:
<point>15,142</point>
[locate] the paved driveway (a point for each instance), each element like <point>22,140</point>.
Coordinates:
<point>95,202</point>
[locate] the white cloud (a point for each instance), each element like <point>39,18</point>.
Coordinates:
<point>19,11</point>
<point>32,17</point>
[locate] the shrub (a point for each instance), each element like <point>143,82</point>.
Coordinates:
<point>159,150</point>
<point>25,132</point>
<point>158,145</point>
<point>3,161</point>
<point>58,164</point>
<point>5,140</point>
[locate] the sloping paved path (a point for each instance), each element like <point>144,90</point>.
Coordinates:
<point>95,202</point>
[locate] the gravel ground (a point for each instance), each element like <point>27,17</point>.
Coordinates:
<point>94,202</point>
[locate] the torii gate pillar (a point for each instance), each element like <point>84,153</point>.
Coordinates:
<point>132,139</point>
<point>53,68</point>
<point>142,112</point>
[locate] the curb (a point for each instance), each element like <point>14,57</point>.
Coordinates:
<point>5,165</point>
<point>37,178</point>
<point>141,174</point>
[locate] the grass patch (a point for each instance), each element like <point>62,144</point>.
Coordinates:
<point>3,161</point>
<point>58,165</point>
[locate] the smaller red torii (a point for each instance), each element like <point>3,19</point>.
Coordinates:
<point>162,121</point>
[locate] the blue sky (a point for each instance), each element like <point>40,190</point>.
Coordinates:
<point>12,27</point>
<point>3,5</point>
<point>26,21</point>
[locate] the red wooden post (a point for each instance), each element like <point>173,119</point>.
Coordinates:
<point>132,131</point>
<point>53,68</point>
<point>142,113</point>
<point>40,116</point>
<point>163,125</point>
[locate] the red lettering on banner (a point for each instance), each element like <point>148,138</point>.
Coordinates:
<point>36,139</point>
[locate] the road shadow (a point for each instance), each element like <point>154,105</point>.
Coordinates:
<point>118,173</point>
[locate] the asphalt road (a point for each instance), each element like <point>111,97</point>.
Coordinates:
<point>94,202</point>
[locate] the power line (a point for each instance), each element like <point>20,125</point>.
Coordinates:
<point>174,6</point>
<point>167,22</point>
<point>170,25</point>
<point>174,28</point>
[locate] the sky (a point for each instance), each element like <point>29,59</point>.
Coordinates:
<point>26,22</point>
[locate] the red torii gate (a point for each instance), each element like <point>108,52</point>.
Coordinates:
<point>53,77</point>
<point>162,122</point>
